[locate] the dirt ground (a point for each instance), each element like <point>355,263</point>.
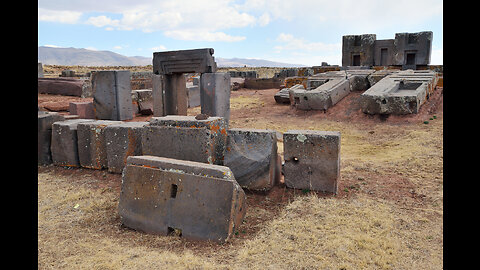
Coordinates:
<point>388,213</point>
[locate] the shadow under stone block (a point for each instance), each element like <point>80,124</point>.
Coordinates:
<point>251,154</point>
<point>197,201</point>
<point>312,159</point>
<point>92,150</point>
<point>123,140</point>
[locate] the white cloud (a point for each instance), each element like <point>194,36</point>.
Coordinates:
<point>101,21</point>
<point>158,48</point>
<point>289,42</point>
<point>52,46</point>
<point>264,19</point>
<point>202,36</point>
<point>117,47</point>
<point>61,16</point>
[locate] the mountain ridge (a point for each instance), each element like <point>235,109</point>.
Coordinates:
<point>85,57</point>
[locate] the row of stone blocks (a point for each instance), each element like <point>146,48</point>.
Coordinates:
<point>184,174</point>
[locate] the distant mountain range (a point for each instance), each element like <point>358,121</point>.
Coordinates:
<point>84,57</point>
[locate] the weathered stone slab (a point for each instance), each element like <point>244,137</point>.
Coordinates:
<point>186,138</point>
<point>193,93</point>
<point>84,110</point>
<point>251,154</point>
<point>61,86</point>
<point>175,94</point>
<point>158,96</point>
<point>399,93</point>
<point>184,61</point>
<point>322,97</point>
<point>45,122</point>
<point>122,140</point>
<point>312,159</point>
<point>112,99</point>
<point>144,99</point>
<point>215,94</point>
<point>64,142</point>
<point>92,150</point>
<point>40,70</point>
<point>195,200</point>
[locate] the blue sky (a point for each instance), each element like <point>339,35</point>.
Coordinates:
<point>304,32</point>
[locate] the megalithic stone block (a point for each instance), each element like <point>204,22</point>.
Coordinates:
<point>92,151</point>
<point>122,140</point>
<point>84,110</point>
<point>186,138</point>
<point>158,96</point>
<point>175,94</point>
<point>112,98</point>
<point>312,159</point>
<point>184,61</point>
<point>196,200</point>
<point>64,142</point>
<point>251,154</point>
<point>215,94</point>
<point>45,121</point>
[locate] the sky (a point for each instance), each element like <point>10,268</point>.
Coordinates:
<point>306,32</point>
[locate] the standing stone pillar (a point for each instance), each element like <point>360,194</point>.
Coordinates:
<point>112,97</point>
<point>215,94</point>
<point>176,94</point>
<point>158,98</point>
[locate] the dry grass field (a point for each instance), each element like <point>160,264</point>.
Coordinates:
<point>388,213</point>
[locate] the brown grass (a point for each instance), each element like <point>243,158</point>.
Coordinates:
<point>388,213</point>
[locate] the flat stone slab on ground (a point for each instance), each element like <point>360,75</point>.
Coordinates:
<point>312,159</point>
<point>196,200</point>
<point>251,154</point>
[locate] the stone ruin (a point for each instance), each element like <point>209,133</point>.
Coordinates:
<point>394,75</point>
<point>184,174</point>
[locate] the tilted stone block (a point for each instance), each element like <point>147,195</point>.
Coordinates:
<point>122,140</point>
<point>44,136</point>
<point>112,98</point>
<point>312,159</point>
<point>64,142</point>
<point>251,154</point>
<point>186,138</point>
<point>92,150</point>
<point>196,200</point>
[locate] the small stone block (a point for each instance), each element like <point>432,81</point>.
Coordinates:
<point>84,110</point>
<point>64,142</point>
<point>312,159</point>
<point>92,150</point>
<point>123,140</point>
<point>44,136</point>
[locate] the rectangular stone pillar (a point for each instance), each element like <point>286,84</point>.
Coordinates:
<point>158,95</point>
<point>112,97</point>
<point>215,94</point>
<point>64,142</point>
<point>122,140</point>
<point>312,159</point>
<point>176,100</point>
<point>92,151</point>
<point>44,136</point>
<point>194,200</point>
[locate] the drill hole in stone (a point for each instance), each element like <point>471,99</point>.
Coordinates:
<point>174,232</point>
<point>173,191</point>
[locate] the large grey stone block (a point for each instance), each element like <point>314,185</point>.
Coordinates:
<point>193,92</point>
<point>92,151</point>
<point>184,61</point>
<point>158,95</point>
<point>186,138</point>
<point>215,94</point>
<point>122,140</point>
<point>312,159</point>
<point>44,136</point>
<point>64,142</point>
<point>112,99</point>
<point>196,200</point>
<point>251,154</point>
